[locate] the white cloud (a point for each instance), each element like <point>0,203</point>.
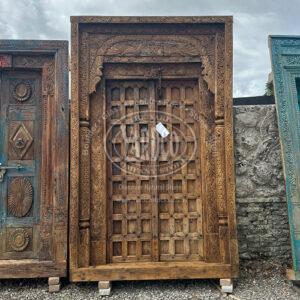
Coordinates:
<point>253,22</point>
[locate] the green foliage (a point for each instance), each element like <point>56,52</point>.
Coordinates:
<point>269,90</point>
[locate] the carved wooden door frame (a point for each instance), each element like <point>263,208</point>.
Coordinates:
<point>95,42</point>
<point>285,59</point>
<point>51,59</point>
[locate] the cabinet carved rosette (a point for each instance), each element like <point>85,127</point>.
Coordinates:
<point>34,133</point>
<point>147,204</point>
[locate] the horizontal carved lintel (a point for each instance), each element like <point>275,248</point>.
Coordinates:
<point>160,47</point>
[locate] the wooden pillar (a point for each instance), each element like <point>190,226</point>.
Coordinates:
<point>84,195</point>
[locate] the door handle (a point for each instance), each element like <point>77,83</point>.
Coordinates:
<point>3,170</point>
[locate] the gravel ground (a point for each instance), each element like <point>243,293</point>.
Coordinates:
<point>257,281</point>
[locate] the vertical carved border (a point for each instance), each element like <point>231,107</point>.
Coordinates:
<point>229,153</point>
<point>74,154</point>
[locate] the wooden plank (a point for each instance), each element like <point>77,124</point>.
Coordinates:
<point>31,269</point>
<point>152,271</point>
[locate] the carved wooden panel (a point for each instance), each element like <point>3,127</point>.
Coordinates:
<point>152,182</point>
<point>33,171</point>
<point>285,56</point>
<point>130,192</point>
<point>179,181</point>
<point>21,113</point>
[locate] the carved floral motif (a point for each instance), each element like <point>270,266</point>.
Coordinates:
<point>20,197</point>
<point>151,46</point>
<point>22,91</point>
<point>19,240</point>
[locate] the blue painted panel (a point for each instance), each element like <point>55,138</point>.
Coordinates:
<point>285,57</point>
<point>20,140</point>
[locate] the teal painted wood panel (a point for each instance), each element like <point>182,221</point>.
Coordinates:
<point>285,58</point>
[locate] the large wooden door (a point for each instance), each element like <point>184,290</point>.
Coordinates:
<point>33,159</point>
<point>155,185</point>
<point>152,182</point>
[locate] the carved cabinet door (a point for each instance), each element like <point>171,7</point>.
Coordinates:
<point>20,163</point>
<point>33,158</point>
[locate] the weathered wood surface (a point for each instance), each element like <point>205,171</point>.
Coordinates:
<point>285,57</point>
<point>31,268</point>
<point>152,271</point>
<point>34,145</point>
<point>131,208</point>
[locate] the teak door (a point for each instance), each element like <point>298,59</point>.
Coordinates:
<point>152,181</point>
<point>33,166</point>
<point>154,191</point>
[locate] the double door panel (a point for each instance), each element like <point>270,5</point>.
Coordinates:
<point>154,187</point>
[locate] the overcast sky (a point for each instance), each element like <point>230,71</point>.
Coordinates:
<point>254,20</point>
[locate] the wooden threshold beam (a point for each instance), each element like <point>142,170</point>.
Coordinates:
<point>30,268</point>
<point>152,271</point>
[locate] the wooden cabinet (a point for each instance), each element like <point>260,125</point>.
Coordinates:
<point>152,177</point>
<point>285,51</point>
<point>33,158</point>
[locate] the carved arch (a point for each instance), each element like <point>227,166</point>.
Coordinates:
<point>161,46</point>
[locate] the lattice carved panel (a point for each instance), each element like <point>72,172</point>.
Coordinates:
<point>179,184</point>
<point>129,149</point>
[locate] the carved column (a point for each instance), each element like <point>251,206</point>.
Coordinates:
<point>84,204</point>
<point>48,92</point>
<point>84,157</point>
<point>220,150</point>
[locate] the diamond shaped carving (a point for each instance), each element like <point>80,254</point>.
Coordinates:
<point>21,141</point>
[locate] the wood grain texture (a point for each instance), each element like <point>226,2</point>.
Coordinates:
<point>129,73</point>
<point>285,51</point>
<point>20,268</point>
<point>34,134</point>
<point>152,271</point>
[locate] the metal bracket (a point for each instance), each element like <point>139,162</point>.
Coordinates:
<point>3,170</point>
<point>2,173</point>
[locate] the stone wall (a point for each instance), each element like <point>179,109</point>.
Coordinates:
<point>263,230</point>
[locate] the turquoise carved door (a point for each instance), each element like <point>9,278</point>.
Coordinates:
<point>285,56</point>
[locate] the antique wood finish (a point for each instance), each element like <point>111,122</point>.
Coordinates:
<point>285,57</point>
<point>33,158</point>
<point>145,206</point>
